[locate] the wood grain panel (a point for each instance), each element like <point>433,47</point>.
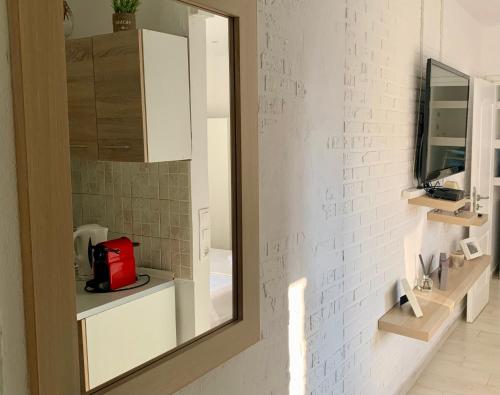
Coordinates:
<point>440,204</point>
<point>119,98</point>
<point>119,139</point>
<point>44,190</point>
<point>81,99</point>
<point>402,320</point>
<point>463,218</point>
<point>84,360</point>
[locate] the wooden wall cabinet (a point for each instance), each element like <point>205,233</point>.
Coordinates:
<point>81,99</point>
<point>142,101</point>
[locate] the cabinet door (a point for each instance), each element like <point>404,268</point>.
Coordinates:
<point>166,96</point>
<point>479,295</point>
<point>119,96</point>
<point>81,99</point>
<point>127,336</point>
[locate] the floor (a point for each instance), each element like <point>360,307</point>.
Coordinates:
<point>468,363</point>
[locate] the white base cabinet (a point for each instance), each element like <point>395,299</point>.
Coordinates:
<point>122,338</point>
<point>478,296</point>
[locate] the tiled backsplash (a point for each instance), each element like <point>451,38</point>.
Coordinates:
<point>149,203</point>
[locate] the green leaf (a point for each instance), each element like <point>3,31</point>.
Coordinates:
<point>125,6</point>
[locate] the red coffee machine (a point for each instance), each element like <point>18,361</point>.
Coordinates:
<point>113,265</point>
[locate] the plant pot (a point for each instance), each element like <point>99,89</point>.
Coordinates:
<point>123,22</point>
<point>68,27</point>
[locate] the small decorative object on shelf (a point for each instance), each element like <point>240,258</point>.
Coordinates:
<point>124,16</point>
<point>471,248</point>
<point>444,264</point>
<point>411,298</point>
<point>457,259</point>
<point>426,283</point>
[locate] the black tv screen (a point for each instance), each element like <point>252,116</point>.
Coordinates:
<point>443,133</point>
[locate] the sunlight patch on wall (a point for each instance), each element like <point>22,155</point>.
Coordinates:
<point>296,338</point>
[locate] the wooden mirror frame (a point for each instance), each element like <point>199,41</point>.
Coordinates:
<point>44,188</point>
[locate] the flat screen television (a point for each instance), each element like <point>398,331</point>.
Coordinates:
<point>441,144</point>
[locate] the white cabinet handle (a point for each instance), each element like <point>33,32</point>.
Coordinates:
<point>78,146</point>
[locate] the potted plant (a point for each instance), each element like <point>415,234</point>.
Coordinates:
<point>124,16</point>
<point>67,19</point>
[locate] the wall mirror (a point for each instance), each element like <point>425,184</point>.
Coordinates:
<point>152,172</point>
<point>136,151</point>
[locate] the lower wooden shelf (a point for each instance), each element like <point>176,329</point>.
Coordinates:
<point>463,218</point>
<point>440,204</point>
<point>402,321</point>
<point>436,305</point>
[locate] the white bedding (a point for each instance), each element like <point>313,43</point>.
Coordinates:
<point>221,286</point>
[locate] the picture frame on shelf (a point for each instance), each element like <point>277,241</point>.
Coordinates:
<point>417,310</point>
<point>471,248</point>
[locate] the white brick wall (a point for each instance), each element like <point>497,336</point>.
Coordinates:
<point>338,92</point>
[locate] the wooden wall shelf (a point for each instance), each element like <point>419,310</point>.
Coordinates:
<point>436,305</point>
<point>463,218</point>
<point>446,205</point>
<point>402,321</point>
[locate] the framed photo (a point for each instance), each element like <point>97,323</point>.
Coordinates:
<point>411,298</point>
<point>471,248</point>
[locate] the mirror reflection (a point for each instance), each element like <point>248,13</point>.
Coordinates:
<point>449,95</point>
<point>151,163</point>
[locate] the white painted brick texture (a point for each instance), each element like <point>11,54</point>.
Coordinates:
<point>338,86</point>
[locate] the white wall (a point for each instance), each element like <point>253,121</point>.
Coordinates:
<point>13,377</point>
<point>218,67</point>
<point>199,166</point>
<point>462,38</point>
<point>218,127</point>
<point>490,55</point>
<point>219,182</point>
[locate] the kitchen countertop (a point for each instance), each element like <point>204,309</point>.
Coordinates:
<point>88,304</point>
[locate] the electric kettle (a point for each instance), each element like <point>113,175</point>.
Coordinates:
<point>84,237</point>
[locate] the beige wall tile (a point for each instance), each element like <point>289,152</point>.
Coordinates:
<point>140,201</point>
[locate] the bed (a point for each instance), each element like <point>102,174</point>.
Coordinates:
<point>221,286</point>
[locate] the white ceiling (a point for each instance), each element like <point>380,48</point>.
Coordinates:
<point>487,12</point>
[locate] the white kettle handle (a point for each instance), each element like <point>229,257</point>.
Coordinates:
<point>78,258</point>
